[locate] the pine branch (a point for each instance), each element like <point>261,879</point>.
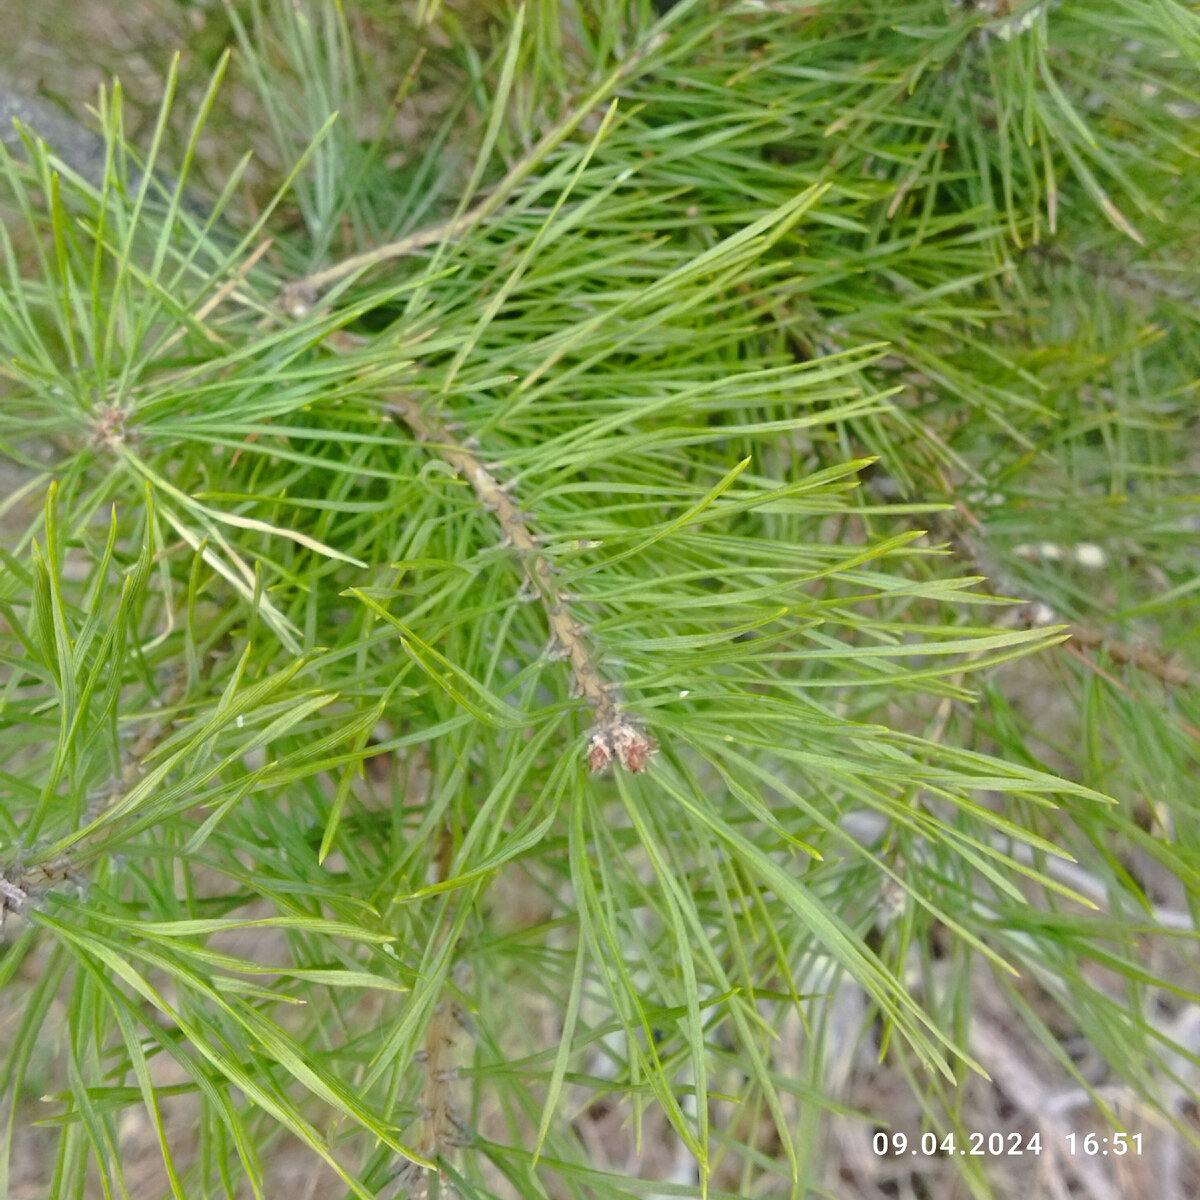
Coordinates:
<point>613,736</point>
<point>677,284</point>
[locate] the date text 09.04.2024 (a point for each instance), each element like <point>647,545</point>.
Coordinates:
<point>930,1145</point>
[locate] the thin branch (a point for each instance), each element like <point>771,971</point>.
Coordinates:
<point>1038,613</point>
<point>20,885</point>
<point>299,296</point>
<point>613,735</point>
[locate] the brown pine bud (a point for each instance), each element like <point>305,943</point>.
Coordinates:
<point>619,739</point>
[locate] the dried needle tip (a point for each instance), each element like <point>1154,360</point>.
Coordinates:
<point>621,740</point>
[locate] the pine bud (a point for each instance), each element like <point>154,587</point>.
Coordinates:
<point>621,740</point>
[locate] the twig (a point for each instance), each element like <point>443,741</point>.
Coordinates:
<point>1020,1080</point>
<point>21,886</point>
<point>1142,657</point>
<point>218,297</point>
<point>300,295</point>
<point>441,1126</point>
<point>1040,613</point>
<point>614,737</point>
